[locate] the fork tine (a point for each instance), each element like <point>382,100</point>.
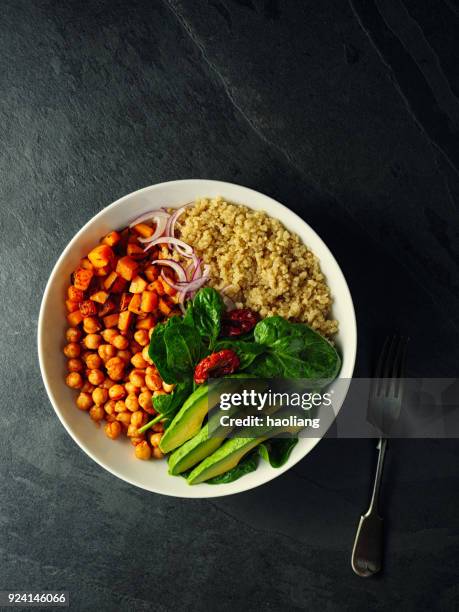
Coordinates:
<point>376,382</point>
<point>400,371</point>
<point>388,365</point>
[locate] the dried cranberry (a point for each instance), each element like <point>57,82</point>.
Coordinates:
<point>216,365</point>
<point>238,322</point>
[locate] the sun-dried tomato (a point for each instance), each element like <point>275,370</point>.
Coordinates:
<point>216,365</point>
<point>238,322</point>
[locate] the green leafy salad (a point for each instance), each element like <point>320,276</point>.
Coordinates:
<point>210,342</point>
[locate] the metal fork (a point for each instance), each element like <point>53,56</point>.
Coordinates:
<point>384,407</point>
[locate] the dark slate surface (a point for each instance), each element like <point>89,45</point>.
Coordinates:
<point>348,114</point>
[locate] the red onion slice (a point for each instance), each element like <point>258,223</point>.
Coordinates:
<point>188,286</point>
<point>161,223</point>
<point>187,250</point>
<point>148,216</point>
<point>175,266</point>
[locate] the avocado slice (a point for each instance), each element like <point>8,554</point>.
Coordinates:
<point>230,453</point>
<point>187,422</point>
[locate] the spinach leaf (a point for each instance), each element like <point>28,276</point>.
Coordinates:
<point>277,451</point>
<point>175,349</point>
<point>206,313</point>
<point>245,350</point>
<point>168,405</point>
<point>247,465</point>
<point>294,350</point>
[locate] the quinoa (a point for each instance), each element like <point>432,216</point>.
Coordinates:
<point>258,263</point>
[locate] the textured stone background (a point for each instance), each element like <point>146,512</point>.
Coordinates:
<point>348,114</point>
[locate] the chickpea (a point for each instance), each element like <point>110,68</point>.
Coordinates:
<point>143,451</point>
<point>117,392</point>
<point>132,432</point>
<point>124,418</point>
<point>155,439</point>
<point>135,347</point>
<point>132,402</point>
<point>109,407</point>
<point>137,378</point>
<point>124,355</point>
<point>97,413</point>
<point>168,388</point>
<point>138,418</point>
<point>151,370</point>
<point>108,383</point>
<point>159,392</point>
<point>93,361</point>
<point>110,418</point>
<point>93,341</point>
<point>73,334</point>
<point>115,368</point>
<point>137,439</point>
<point>74,380</point>
<point>157,454</point>
<point>87,387</point>
<point>112,430</point>
<point>84,401</point>
<point>145,399</point>
<point>75,365</point>
<point>96,377</point>
<point>130,388</point>
<point>120,342</point>
<point>109,334</point>
<point>138,361</point>
<point>106,352</point>
<point>91,325</point>
<point>72,350</point>
<point>141,337</point>
<point>99,396</point>
<point>158,427</point>
<point>146,356</point>
<point>120,406</point>
<point>154,382</point>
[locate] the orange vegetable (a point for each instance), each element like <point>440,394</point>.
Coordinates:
<point>88,308</point>
<point>138,285</point>
<point>111,320</point>
<point>82,278</point>
<point>149,301</point>
<point>114,283</point>
<point>143,230</point>
<point>164,307</point>
<point>124,302</point>
<point>146,323</point>
<point>134,304</point>
<point>102,271</point>
<point>74,318</point>
<point>125,320</point>
<point>127,268</point>
<point>157,286</point>
<point>71,306</point>
<point>151,273</point>
<point>107,308</point>
<point>86,264</point>
<point>111,239</point>
<point>111,278</point>
<point>100,296</point>
<point>101,256</point>
<point>76,295</point>
<point>167,288</point>
<point>135,251</point>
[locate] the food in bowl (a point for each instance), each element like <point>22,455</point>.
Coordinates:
<point>145,334</point>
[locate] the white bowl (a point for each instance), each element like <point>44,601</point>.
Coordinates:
<point>118,457</point>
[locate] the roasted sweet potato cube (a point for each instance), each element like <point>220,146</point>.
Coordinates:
<point>127,268</point>
<point>102,271</point>
<point>151,273</point>
<point>146,323</point>
<point>74,294</point>
<point>71,305</point>
<point>149,301</point>
<point>144,230</point>
<point>108,282</point>
<point>125,320</point>
<point>100,297</point>
<point>88,308</point>
<point>114,283</point>
<point>107,308</point>
<point>111,239</point>
<point>101,256</point>
<point>157,286</point>
<point>138,285</point>
<point>111,320</point>
<point>125,299</point>
<point>74,318</point>
<point>135,251</point>
<point>86,264</point>
<point>167,288</point>
<point>164,307</point>
<point>134,304</point>
<point>82,278</point>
